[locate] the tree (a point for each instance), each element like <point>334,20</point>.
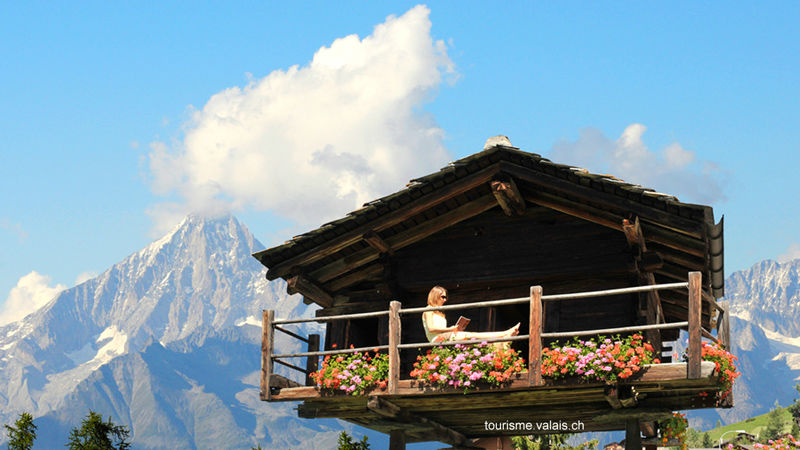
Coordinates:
<point>794,408</point>
<point>775,423</point>
<point>346,443</point>
<point>22,433</point>
<point>707,440</point>
<point>94,434</point>
<point>693,438</point>
<point>795,431</point>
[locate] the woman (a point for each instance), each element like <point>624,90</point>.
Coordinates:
<point>435,323</point>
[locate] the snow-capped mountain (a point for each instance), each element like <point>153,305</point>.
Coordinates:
<point>167,342</point>
<point>764,302</point>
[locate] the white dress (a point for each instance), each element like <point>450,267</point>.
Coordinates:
<point>437,322</point>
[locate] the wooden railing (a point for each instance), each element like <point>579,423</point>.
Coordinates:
<point>534,337</point>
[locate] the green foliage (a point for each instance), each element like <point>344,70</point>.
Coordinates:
<point>775,423</point>
<point>549,441</point>
<point>22,433</point>
<point>94,434</point>
<point>794,408</point>
<point>693,438</point>
<point>346,443</point>
<point>795,430</point>
<point>707,440</point>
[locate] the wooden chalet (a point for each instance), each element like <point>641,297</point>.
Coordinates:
<point>514,238</point>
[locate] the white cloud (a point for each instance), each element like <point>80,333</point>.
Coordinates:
<point>31,293</point>
<point>792,253</point>
<point>673,170</point>
<point>314,142</point>
<point>84,277</point>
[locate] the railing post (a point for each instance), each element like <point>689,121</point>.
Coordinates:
<point>724,329</point>
<point>695,311</point>
<point>394,341</point>
<point>312,362</point>
<point>267,341</point>
<point>535,341</point>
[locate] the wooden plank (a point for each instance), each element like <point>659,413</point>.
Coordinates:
<point>394,340</point>
<point>663,218</point>
<point>442,433</point>
<point>309,289</point>
<point>425,202</point>
<point>664,375</point>
<point>633,435</point>
<point>508,197</point>
<point>535,341</point>
<point>281,382</point>
<point>607,219</point>
<point>312,362</point>
<point>267,340</point>
<point>695,305</point>
<point>369,272</point>
<point>377,242</point>
<point>343,265</point>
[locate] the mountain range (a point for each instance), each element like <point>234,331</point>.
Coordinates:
<point>167,342</point>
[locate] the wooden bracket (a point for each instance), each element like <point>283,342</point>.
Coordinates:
<point>377,242</point>
<point>646,260</point>
<point>509,197</point>
<point>308,288</point>
<point>440,432</point>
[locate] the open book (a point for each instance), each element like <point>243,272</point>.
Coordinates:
<point>462,323</point>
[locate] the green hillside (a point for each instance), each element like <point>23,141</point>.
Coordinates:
<point>753,425</point>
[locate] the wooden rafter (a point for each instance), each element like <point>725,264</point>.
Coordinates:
<point>405,238</point>
<point>509,197</point>
<point>309,289</point>
<point>375,241</point>
<point>680,225</point>
<point>607,219</point>
<point>381,223</point>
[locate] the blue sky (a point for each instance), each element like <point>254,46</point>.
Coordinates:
<point>109,113</point>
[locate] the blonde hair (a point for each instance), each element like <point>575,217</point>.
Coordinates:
<point>435,294</point>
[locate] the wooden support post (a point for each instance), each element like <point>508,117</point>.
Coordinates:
<point>724,328</point>
<point>397,440</point>
<point>312,362</point>
<point>695,305</point>
<point>267,341</point>
<point>535,341</point>
<point>394,341</point>
<point>633,436</point>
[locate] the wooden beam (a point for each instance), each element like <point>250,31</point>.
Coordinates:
<point>377,242</point>
<point>394,340</point>
<point>693,228</point>
<point>655,312</point>
<point>397,440</point>
<point>695,305</point>
<point>391,219</point>
<point>724,329</point>
<point>509,197</point>
<point>309,289</point>
<point>633,435</point>
<point>535,341</point>
<point>345,264</point>
<point>607,219</point>
<point>366,273</point>
<point>388,409</point>
<point>267,341</point>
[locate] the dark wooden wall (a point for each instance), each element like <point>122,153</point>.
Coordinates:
<point>494,256</point>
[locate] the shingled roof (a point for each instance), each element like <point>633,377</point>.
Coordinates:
<point>606,197</point>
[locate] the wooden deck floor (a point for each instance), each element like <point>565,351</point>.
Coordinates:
<point>423,412</point>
